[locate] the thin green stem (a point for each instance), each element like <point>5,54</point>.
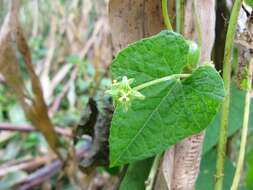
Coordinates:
<point>197,23</point>
<point>163,79</point>
<point>152,173</point>
<point>166,15</point>
<point>225,107</point>
<point>178,15</point>
<point>182,16</point>
<point>240,161</point>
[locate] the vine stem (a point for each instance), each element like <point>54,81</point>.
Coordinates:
<point>240,161</point>
<point>153,171</point>
<point>166,15</point>
<point>197,23</point>
<point>225,107</point>
<point>179,16</point>
<point>163,79</point>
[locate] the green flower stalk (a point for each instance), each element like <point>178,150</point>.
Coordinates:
<point>239,166</point>
<point>221,154</point>
<point>122,93</point>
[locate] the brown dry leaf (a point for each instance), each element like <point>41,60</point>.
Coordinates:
<point>8,61</point>
<point>11,36</point>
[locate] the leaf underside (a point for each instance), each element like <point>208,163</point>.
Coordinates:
<point>172,110</point>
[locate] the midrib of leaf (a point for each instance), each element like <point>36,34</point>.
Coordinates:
<point>150,116</point>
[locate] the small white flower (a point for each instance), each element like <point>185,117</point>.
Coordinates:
<point>122,93</point>
<point>124,98</point>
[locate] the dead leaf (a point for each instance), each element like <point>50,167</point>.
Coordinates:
<point>12,39</point>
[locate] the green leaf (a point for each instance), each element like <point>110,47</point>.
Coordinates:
<point>151,58</point>
<point>235,119</point>
<point>249,2</point>
<point>137,174</point>
<point>171,112</point>
<point>207,172</point>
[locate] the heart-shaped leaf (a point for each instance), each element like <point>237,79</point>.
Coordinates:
<point>171,110</point>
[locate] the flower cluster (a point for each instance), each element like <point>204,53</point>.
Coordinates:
<point>123,94</point>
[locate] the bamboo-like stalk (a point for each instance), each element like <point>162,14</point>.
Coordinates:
<point>179,16</point>
<point>225,107</point>
<point>197,24</point>
<point>241,156</point>
<point>166,15</point>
